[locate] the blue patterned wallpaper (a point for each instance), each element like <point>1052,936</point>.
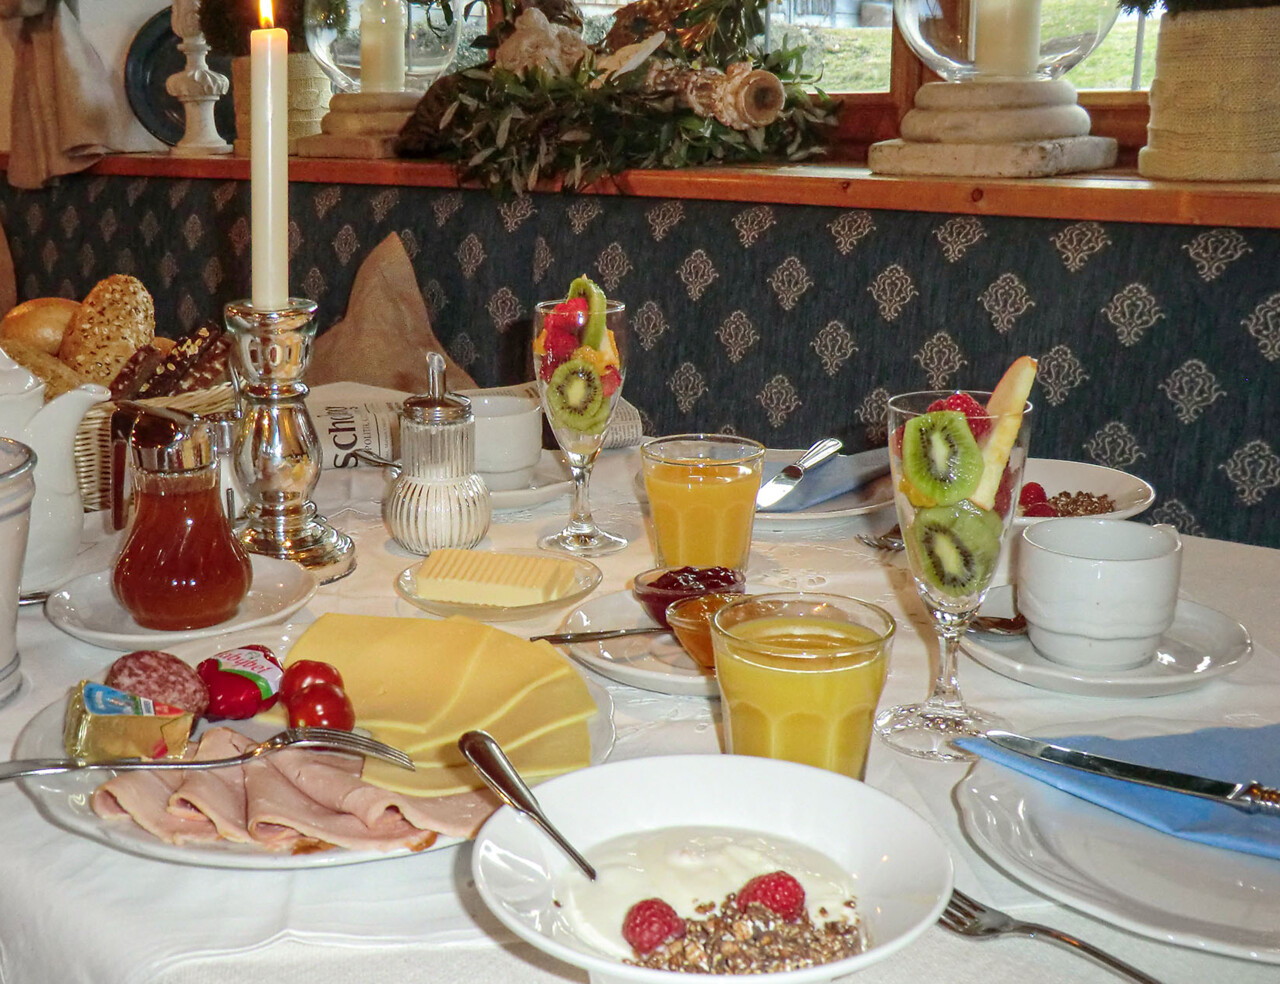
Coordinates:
<point>1159,346</point>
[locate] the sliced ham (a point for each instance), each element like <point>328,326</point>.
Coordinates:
<point>144,797</point>
<point>274,801</point>
<point>217,794</point>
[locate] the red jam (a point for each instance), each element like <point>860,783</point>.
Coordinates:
<point>656,589</point>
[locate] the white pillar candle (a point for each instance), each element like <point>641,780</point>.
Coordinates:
<point>269,163</point>
<point>1006,37</point>
<point>382,24</point>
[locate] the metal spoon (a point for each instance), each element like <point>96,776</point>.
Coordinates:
<point>598,635</point>
<point>999,626</point>
<point>492,765</point>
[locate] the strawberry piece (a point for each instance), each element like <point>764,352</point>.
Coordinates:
<point>559,346</point>
<point>567,315</point>
<point>1004,493</point>
<point>1032,492</point>
<point>777,891</point>
<point>610,381</point>
<point>650,923</point>
<point>895,441</point>
<point>979,419</point>
<point>1040,509</point>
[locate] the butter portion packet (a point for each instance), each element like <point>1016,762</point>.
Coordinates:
<point>103,723</point>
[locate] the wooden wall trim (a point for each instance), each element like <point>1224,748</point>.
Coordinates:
<point>1110,196</point>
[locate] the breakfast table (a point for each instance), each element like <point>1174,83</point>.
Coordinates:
<point>72,909</point>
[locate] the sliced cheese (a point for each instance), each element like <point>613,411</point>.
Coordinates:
<point>486,578</point>
<point>443,772</point>
<point>419,684</point>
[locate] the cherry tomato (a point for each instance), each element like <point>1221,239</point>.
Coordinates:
<point>321,705</point>
<point>304,673</point>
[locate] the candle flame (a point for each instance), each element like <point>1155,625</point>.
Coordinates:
<point>265,16</point>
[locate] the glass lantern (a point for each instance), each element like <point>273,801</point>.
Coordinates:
<point>382,45</point>
<point>1003,39</point>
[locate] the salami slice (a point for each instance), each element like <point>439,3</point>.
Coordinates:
<point>160,677</point>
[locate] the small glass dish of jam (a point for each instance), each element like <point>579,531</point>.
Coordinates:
<point>690,620</point>
<point>658,587</point>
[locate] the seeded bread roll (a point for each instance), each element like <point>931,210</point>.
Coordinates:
<point>117,318</point>
<point>40,322</point>
<point>57,378</point>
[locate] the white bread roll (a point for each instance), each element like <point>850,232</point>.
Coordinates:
<point>40,322</point>
<point>117,318</point>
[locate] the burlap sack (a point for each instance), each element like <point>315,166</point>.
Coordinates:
<point>384,338</point>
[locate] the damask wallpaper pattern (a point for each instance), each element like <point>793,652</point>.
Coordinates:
<point>1159,346</point>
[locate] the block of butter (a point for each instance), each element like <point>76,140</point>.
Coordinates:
<point>482,577</point>
<point>103,723</point>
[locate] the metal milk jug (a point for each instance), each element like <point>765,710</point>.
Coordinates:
<point>437,500</point>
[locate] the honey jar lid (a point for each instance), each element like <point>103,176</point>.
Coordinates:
<point>167,440</point>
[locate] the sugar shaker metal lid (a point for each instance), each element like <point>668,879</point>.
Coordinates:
<point>436,406</point>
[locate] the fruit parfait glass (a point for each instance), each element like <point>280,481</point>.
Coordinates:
<point>957,461</point>
<point>579,352</point>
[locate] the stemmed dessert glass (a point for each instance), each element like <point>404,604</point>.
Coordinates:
<point>952,550</point>
<point>579,387</point>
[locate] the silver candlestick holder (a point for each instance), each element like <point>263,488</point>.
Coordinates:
<point>277,452</point>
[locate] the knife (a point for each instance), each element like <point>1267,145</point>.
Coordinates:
<point>772,491</point>
<point>597,635</point>
<point>1252,797</point>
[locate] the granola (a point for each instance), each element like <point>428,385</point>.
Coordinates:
<point>1082,504</point>
<point>754,940</point>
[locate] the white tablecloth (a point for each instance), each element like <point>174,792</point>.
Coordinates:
<point>74,910</point>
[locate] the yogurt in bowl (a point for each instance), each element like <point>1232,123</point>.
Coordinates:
<point>841,837</point>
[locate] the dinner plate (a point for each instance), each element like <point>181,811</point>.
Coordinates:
<point>1130,494</point>
<point>586,576</point>
<point>869,498</point>
<point>64,799</point>
<point>87,608</point>
<point>1201,644</point>
<point>154,56</point>
<point>1126,874</point>
<point>551,479</point>
<point>650,662</point>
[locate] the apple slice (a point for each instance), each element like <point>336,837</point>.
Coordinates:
<point>1005,406</point>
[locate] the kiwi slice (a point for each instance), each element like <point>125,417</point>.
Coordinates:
<point>940,456</point>
<point>594,332</point>
<point>956,547</point>
<point>575,394</point>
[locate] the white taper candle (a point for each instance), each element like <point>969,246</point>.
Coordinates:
<point>269,163</point>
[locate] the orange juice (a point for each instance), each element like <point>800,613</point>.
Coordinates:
<point>802,688</point>
<point>702,511</point>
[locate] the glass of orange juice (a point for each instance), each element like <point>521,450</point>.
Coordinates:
<point>702,498</point>
<point>800,675</point>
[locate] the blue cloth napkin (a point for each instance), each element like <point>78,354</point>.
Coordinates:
<point>1229,754</point>
<point>837,475</point>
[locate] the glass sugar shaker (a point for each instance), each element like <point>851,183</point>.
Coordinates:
<point>437,500</point>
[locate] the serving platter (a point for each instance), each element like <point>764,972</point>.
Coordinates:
<point>87,608</point>
<point>64,799</point>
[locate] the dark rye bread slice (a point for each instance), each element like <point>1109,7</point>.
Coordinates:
<point>167,378</point>
<point>212,368</point>
<point>136,372</point>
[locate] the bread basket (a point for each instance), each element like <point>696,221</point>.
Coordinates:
<point>93,439</point>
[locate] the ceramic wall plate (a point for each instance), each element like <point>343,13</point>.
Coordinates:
<point>153,57</point>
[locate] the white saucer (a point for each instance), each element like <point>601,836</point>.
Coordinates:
<point>651,662</point>
<point>551,478</point>
<point>586,577</point>
<point>87,609</point>
<point>1201,644</point>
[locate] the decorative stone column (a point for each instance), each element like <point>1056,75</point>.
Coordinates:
<point>197,87</point>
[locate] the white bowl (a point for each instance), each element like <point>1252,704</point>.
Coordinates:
<point>1131,495</point>
<point>897,862</point>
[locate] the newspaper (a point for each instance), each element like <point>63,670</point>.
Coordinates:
<point>351,417</point>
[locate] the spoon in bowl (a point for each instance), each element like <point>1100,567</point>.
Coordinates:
<point>492,765</point>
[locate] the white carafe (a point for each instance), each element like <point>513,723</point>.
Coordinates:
<point>49,429</point>
<point>437,500</point>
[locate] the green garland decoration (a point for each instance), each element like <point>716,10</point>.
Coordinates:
<point>507,132</point>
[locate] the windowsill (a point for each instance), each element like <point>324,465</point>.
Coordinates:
<point>1117,195</point>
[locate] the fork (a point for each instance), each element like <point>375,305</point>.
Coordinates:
<point>328,739</point>
<point>969,917</point>
<point>885,541</point>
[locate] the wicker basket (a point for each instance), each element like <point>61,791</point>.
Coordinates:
<point>93,439</point>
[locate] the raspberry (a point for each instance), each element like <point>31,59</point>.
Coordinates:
<point>778,892</point>
<point>979,420</point>
<point>1040,509</point>
<point>650,923</point>
<point>1032,492</point>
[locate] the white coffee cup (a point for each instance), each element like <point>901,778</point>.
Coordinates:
<point>508,439</point>
<point>1098,593</point>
